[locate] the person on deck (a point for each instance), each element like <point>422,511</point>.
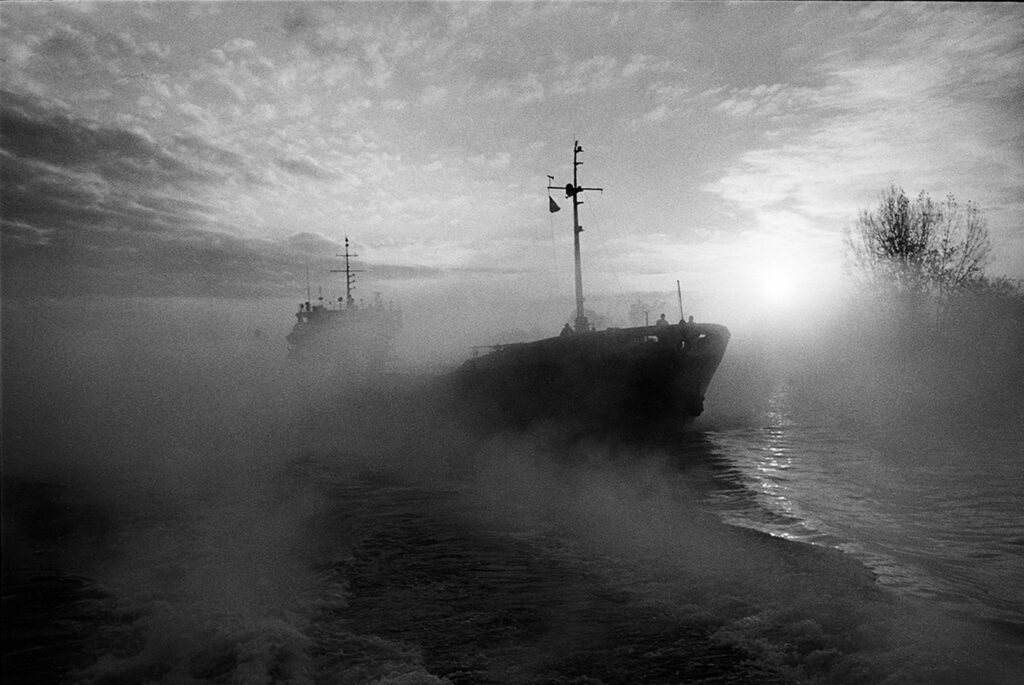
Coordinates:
<point>566,330</point>
<point>661,321</point>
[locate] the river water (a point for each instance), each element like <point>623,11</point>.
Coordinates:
<point>273,532</point>
<point>952,534</point>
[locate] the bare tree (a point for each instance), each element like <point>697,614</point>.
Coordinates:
<point>960,246</point>
<point>917,247</point>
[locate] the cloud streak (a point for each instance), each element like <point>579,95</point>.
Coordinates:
<point>913,115</point>
<point>192,140</point>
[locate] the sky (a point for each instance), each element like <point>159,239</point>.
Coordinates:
<point>222,149</point>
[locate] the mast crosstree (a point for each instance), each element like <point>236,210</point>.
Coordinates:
<point>573,190</point>
<point>350,275</point>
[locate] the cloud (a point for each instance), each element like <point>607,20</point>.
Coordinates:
<point>82,201</point>
<point>55,47</point>
<point>596,73</point>
<point>327,118</point>
<point>45,135</point>
<point>433,95</point>
<point>69,46</point>
<point>775,101</point>
<point>528,89</point>
<point>670,101</point>
<point>659,113</point>
<point>98,209</point>
<point>499,160</point>
<point>306,167</point>
<point>207,152</point>
<point>912,117</point>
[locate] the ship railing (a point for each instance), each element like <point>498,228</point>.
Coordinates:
<point>477,350</point>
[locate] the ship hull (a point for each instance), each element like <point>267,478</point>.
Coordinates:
<point>627,381</point>
<point>355,339</point>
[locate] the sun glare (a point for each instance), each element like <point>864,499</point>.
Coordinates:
<point>779,288</point>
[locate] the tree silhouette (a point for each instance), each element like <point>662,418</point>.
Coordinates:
<point>919,247</point>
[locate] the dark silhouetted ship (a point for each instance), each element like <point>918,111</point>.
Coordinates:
<point>345,335</point>
<point>620,379</point>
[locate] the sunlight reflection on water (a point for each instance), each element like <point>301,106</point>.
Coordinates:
<point>937,517</point>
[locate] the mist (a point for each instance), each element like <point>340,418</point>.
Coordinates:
<point>868,362</point>
<point>169,450</point>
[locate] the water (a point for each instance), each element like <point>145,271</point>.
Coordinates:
<point>240,527</point>
<point>943,523</point>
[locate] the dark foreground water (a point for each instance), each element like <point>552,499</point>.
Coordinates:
<point>521,561</point>
<point>269,530</point>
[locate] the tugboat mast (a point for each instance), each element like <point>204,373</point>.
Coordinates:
<point>350,273</point>
<point>573,190</point>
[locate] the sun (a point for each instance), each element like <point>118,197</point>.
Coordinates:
<point>779,288</point>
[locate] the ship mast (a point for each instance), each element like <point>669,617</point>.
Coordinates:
<point>573,190</point>
<point>350,277</point>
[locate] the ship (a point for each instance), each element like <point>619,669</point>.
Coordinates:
<point>627,380</point>
<point>345,335</point>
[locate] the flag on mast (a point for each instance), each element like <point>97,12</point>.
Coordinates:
<point>552,207</point>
